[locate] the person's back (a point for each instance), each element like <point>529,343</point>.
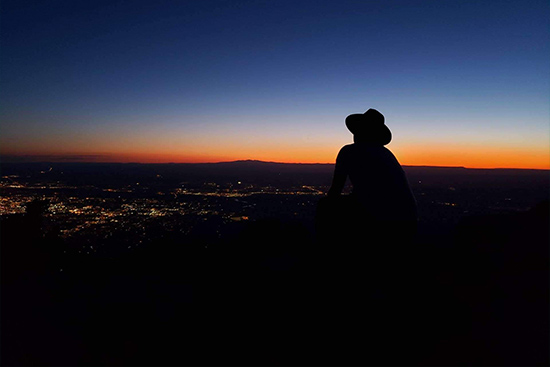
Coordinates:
<point>378,180</point>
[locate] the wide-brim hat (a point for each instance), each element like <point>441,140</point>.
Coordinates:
<point>369,126</point>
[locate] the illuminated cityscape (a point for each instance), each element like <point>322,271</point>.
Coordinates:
<point>129,212</point>
<point>90,217</point>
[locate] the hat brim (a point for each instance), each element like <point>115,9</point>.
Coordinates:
<point>375,133</point>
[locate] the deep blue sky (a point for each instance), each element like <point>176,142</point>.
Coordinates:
<point>248,79</point>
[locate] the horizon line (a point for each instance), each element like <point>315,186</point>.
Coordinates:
<point>2,161</point>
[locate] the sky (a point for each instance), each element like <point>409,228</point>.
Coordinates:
<point>460,83</point>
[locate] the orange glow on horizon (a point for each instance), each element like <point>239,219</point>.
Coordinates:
<point>174,146</point>
<point>419,153</point>
<point>465,156</point>
<point>475,156</point>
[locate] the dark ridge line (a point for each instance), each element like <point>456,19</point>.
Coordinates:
<point>255,161</point>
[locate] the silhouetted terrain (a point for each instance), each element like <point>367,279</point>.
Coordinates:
<point>257,172</point>
<point>257,284</point>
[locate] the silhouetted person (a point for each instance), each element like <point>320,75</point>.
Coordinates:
<point>366,247</point>
<point>380,187</point>
<point>375,225</point>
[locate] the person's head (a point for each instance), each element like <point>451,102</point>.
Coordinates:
<point>369,127</point>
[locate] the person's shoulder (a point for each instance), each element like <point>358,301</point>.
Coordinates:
<point>345,153</point>
<point>387,152</point>
<point>390,156</point>
<point>346,148</point>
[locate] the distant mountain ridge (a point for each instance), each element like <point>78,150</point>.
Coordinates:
<point>256,161</point>
<point>9,161</point>
<point>258,172</point>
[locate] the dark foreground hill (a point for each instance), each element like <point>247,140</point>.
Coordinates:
<point>273,294</point>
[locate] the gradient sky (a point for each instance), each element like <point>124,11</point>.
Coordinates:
<point>461,83</point>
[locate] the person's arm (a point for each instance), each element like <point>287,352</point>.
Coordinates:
<point>340,175</point>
